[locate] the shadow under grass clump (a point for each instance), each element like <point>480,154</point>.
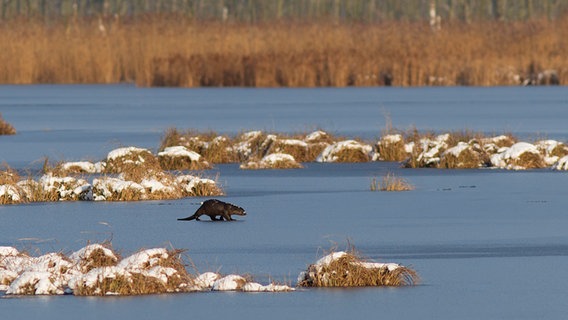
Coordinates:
<point>348,269</point>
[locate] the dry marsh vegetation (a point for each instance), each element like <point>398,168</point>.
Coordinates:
<point>349,269</point>
<point>170,50</point>
<point>390,182</point>
<point>5,127</point>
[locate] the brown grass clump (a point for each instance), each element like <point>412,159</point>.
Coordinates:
<point>296,148</point>
<point>5,127</point>
<point>467,159</point>
<point>529,160</point>
<point>180,158</point>
<point>350,270</point>
<point>132,162</point>
<point>392,148</point>
<point>137,279</point>
<point>273,161</point>
<point>352,156</point>
<point>193,186</point>
<point>8,175</point>
<point>213,147</point>
<point>390,182</point>
<point>559,151</point>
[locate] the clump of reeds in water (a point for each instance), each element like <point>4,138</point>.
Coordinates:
<point>149,271</point>
<point>5,127</point>
<point>390,182</point>
<point>349,269</point>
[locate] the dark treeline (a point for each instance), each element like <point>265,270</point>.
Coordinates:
<point>309,10</point>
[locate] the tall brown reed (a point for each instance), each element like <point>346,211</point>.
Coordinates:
<point>172,51</point>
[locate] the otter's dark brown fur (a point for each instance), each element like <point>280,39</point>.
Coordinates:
<point>214,208</point>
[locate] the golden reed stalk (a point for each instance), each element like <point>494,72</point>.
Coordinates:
<point>171,51</point>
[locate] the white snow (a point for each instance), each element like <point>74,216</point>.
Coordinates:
<point>432,148</point>
<point>326,260</point>
<point>83,166</point>
<point>143,259</point>
<point>189,182</point>
<point>85,253</point>
<point>391,138</point>
<point>562,164</point>
<point>229,283</point>
<point>506,156</point>
<point>293,142</point>
<point>329,154</point>
<point>180,152</point>
<point>68,188</point>
<point>458,149</point>
<point>123,152</point>
<point>11,192</point>
<point>378,265</point>
<point>316,135</point>
<point>8,251</point>
<point>106,187</point>
<point>206,280</point>
<point>153,186</point>
<point>257,287</point>
<point>41,282</point>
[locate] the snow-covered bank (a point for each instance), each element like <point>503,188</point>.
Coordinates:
<point>127,174</point>
<point>97,270</point>
<point>448,150</point>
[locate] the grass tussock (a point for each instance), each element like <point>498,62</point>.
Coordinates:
<point>390,182</point>
<point>136,280</point>
<point>164,51</point>
<point>467,159</point>
<point>350,270</point>
<point>133,162</point>
<point>529,160</point>
<point>351,155</point>
<point>6,128</point>
<point>182,163</point>
<point>392,148</point>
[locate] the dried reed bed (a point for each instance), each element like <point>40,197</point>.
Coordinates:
<point>390,182</point>
<point>171,51</point>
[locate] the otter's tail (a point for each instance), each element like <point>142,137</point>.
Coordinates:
<point>188,218</point>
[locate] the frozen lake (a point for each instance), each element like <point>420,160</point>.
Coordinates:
<point>488,244</point>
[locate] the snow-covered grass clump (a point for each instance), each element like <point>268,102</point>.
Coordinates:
<point>273,161</point>
<point>347,269</point>
<point>181,158</point>
<point>96,270</point>
<point>521,155</point>
<point>347,151</point>
<point>462,156</point>
<point>6,128</point>
<point>93,270</point>
<point>391,147</point>
<point>562,164</point>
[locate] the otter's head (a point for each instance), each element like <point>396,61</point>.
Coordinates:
<point>237,210</point>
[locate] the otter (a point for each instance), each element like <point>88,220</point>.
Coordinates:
<point>214,208</point>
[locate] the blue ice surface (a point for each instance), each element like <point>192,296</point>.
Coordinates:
<point>488,244</point>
